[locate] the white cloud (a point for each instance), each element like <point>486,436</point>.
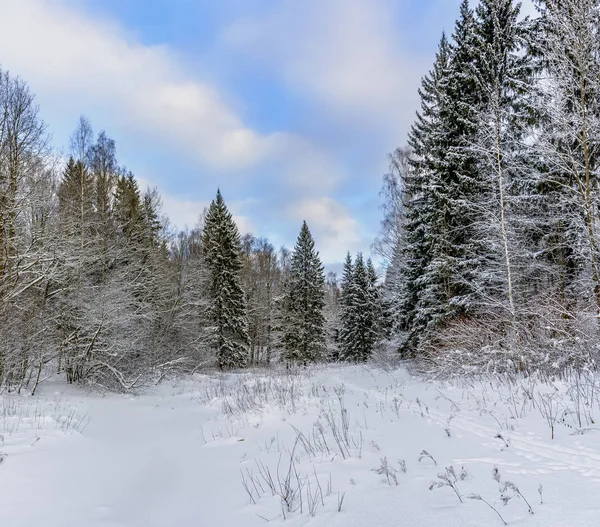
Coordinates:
<point>345,52</point>
<point>332,227</point>
<point>304,167</point>
<point>350,54</point>
<point>79,64</point>
<point>75,60</point>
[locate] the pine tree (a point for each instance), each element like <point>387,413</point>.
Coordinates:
<point>222,247</point>
<point>345,306</point>
<point>442,257</point>
<point>461,184</point>
<point>359,332</point>
<point>419,289</point>
<point>304,332</point>
<point>128,207</point>
<point>379,314</point>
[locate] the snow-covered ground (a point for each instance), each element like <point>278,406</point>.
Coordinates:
<point>334,446</point>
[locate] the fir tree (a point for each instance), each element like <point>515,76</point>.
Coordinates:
<point>128,207</point>
<point>76,194</point>
<point>222,247</point>
<point>345,306</point>
<point>360,321</point>
<point>420,289</point>
<point>103,166</point>
<point>380,317</point>
<point>304,332</point>
<point>76,205</point>
<point>150,214</point>
<point>443,255</point>
<point>459,249</point>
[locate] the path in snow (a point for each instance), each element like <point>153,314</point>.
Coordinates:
<point>140,462</point>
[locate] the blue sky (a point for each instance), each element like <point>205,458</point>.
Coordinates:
<point>289,106</point>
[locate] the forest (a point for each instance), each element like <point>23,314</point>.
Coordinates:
<point>491,217</point>
<point>488,239</point>
<point>98,287</point>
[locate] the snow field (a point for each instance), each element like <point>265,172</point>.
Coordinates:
<point>337,446</point>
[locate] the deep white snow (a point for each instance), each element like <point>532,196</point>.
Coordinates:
<point>178,455</point>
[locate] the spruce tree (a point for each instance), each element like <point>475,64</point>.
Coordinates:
<point>461,183</point>
<point>345,306</point>
<point>360,321</point>
<point>74,321</point>
<point>227,312</point>
<point>380,317</point>
<point>332,317</point>
<point>75,194</point>
<point>151,220</point>
<point>304,331</point>
<point>419,288</point>
<point>346,282</point>
<point>442,254</point>
<point>128,207</point>
<point>103,165</point>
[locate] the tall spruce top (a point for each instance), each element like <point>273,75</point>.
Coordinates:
<point>305,239</point>
<point>305,259</point>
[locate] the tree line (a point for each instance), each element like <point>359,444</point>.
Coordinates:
<point>489,234</point>
<point>491,210</point>
<point>97,286</point>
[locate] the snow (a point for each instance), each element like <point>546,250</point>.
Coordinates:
<point>178,454</point>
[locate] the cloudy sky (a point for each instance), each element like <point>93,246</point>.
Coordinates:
<point>289,106</point>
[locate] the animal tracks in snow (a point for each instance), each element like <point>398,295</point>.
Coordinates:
<point>546,456</point>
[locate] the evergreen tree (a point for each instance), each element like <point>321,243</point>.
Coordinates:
<point>360,321</point>
<point>420,291</point>
<point>346,282</point>
<point>460,250</point>
<point>151,220</point>
<point>380,317</point>
<point>345,306</point>
<point>75,325</point>
<point>128,207</point>
<point>394,295</point>
<point>103,165</point>
<point>304,331</point>
<point>227,312</point>
<point>75,193</point>
<point>443,258</point>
